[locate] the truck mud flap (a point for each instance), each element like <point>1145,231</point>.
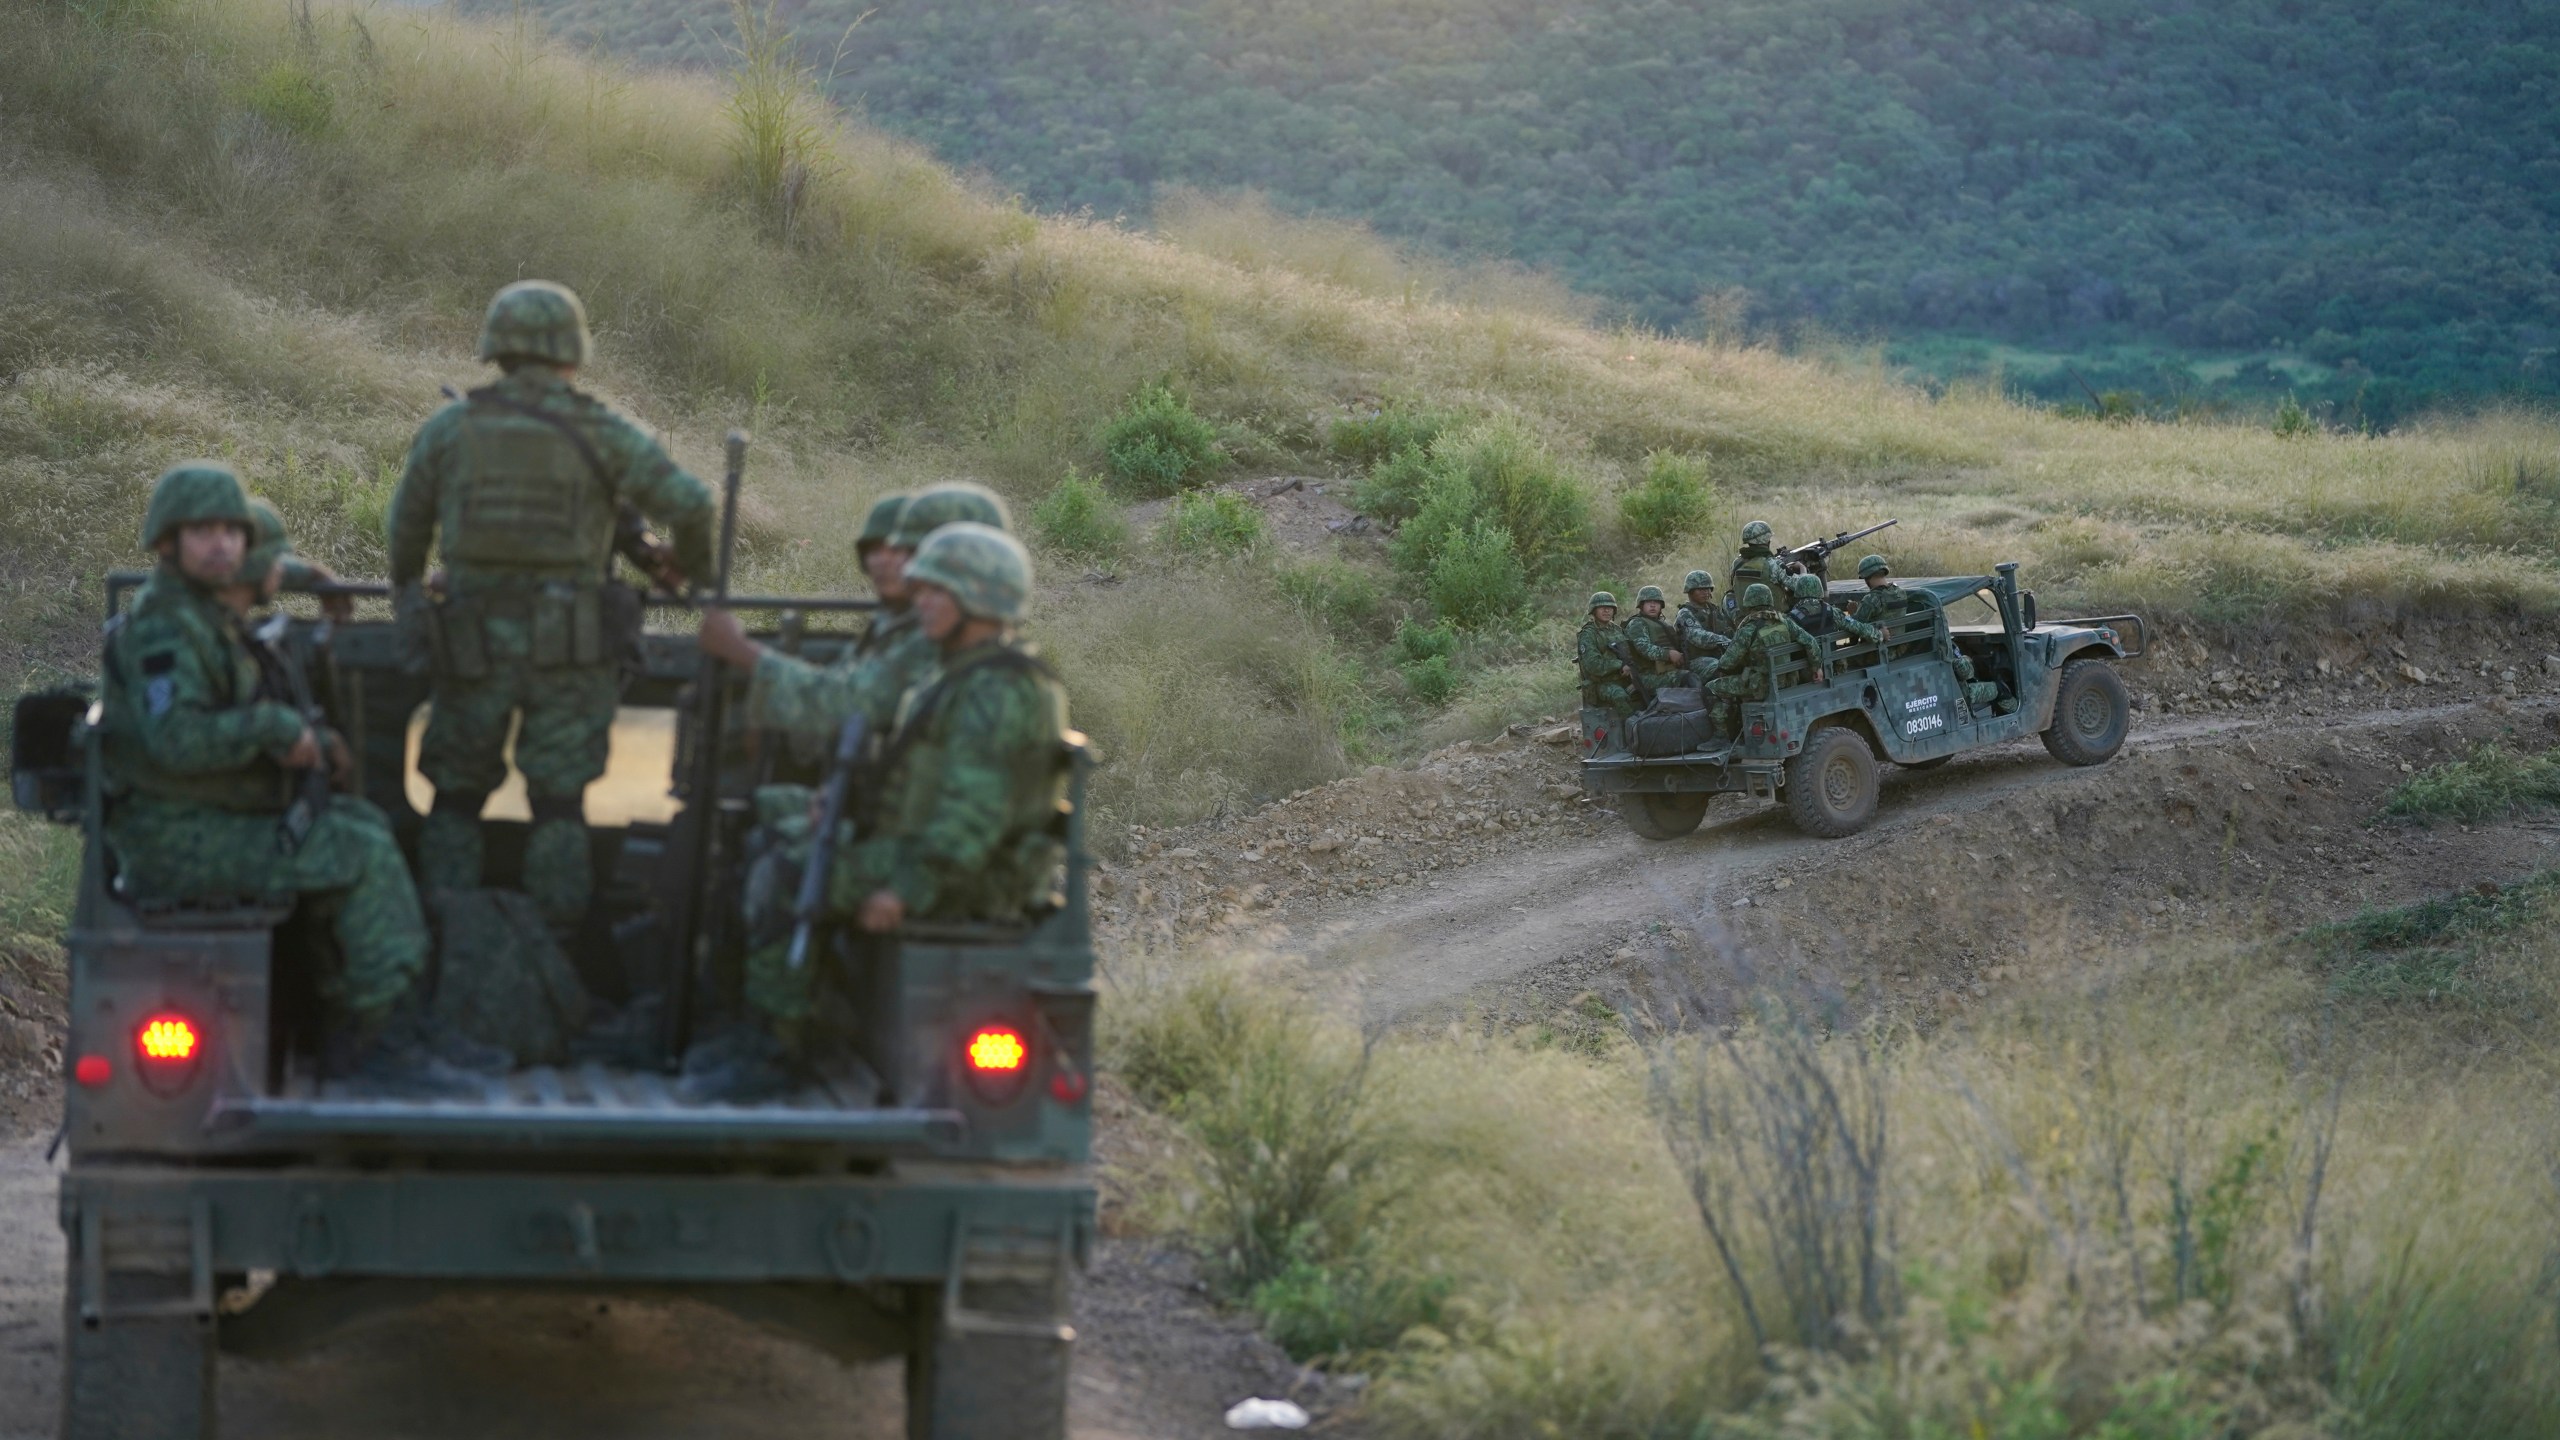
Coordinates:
<point>572,1228</point>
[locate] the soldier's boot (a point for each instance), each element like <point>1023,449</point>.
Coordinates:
<point>381,1057</point>
<point>449,844</point>
<point>755,1062</point>
<point>559,868</point>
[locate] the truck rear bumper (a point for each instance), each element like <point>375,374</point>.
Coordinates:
<point>581,1228</point>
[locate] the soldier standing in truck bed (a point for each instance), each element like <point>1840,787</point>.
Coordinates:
<point>519,484</point>
<point>201,759</point>
<point>1757,561</point>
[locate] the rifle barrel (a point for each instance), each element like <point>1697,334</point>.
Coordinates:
<point>695,847</point>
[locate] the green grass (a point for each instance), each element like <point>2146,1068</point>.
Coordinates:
<point>2490,783</point>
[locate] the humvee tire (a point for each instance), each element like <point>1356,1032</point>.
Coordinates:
<point>2091,714</point>
<point>978,1386</point>
<point>1663,817</point>
<point>1831,787</point>
<point>144,1378</point>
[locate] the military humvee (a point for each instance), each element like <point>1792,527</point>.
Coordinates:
<point>1817,747</point>
<point>927,1197</point>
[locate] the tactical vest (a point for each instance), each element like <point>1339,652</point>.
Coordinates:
<point>531,493</point>
<point>211,634</point>
<point>1021,872</point>
<point>1816,616</point>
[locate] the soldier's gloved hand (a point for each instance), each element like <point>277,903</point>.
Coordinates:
<point>883,911</point>
<point>305,752</point>
<point>342,762</point>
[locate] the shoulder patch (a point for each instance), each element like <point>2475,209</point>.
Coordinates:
<point>160,694</point>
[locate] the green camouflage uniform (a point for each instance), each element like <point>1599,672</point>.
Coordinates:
<point>1600,650</point>
<point>1704,630</point>
<point>1742,673</point>
<point>520,481</point>
<point>962,823</point>
<point>1653,640</point>
<point>1884,602</point>
<point>198,795</point>
<point>1814,611</point>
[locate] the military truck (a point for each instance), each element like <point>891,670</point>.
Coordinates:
<point>1818,745</point>
<point>927,1196</point>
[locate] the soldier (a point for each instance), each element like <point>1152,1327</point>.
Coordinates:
<point>1657,646</point>
<point>1604,660</point>
<point>1884,600</point>
<point>972,783</point>
<point>1757,560</point>
<point>1703,626</point>
<point>521,482</point>
<point>273,565</point>
<point>1742,672</point>
<point>1814,611</point>
<point>813,701</point>
<point>201,758</point>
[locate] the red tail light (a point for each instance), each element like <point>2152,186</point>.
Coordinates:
<point>93,1071</point>
<point>167,1039</point>
<point>170,1049</point>
<point>998,1051</point>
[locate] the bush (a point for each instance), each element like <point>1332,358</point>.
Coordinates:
<point>1427,657</point>
<point>2293,422</point>
<point>1673,500</point>
<point>1218,523</point>
<point>1392,431</point>
<point>1314,1310</point>
<point>1159,446</point>
<point>1394,486</point>
<point>1343,598</point>
<point>1477,583</point>
<point>1079,517</point>
<point>1449,506</point>
<point>1521,488</point>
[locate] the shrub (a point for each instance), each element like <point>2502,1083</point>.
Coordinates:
<point>1343,598</point>
<point>1316,1310</point>
<point>1079,517</point>
<point>1673,500</point>
<point>1392,431</point>
<point>1521,488</point>
<point>1158,445</point>
<point>1394,486</point>
<point>1415,643</point>
<point>1220,522</point>
<point>1449,505</point>
<point>2293,422</point>
<point>293,99</point>
<point>1477,583</point>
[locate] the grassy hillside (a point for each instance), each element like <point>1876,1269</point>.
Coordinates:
<point>2364,194</point>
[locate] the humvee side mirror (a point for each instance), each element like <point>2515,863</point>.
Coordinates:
<point>2026,609</point>
<point>44,753</point>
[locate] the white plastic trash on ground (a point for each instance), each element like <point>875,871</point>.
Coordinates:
<point>1266,1415</point>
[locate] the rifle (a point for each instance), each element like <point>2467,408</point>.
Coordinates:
<point>311,783</point>
<point>812,898</point>
<point>693,842</point>
<point>1814,553</point>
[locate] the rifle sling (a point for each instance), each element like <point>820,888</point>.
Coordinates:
<point>1005,659</point>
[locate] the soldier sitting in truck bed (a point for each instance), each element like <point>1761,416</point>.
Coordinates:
<point>970,789</point>
<point>200,758</point>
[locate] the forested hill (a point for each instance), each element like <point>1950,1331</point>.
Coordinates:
<point>2373,187</point>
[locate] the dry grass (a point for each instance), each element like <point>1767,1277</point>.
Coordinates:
<point>2342,1226</point>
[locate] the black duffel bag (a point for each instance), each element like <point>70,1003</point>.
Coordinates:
<point>1659,731</point>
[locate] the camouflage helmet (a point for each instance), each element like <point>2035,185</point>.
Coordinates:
<point>267,543</point>
<point>987,571</point>
<point>535,320</point>
<point>194,490</point>
<point>948,503</point>
<point>1757,533</point>
<point>1756,596</point>
<point>1805,587</point>
<point>1650,592</point>
<point>879,523</point>
<point>1698,580</point>
<point>1870,566</point>
<point>1601,599</point>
